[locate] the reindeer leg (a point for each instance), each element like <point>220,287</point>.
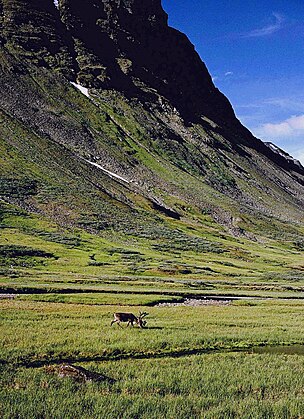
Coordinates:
<point>116,321</point>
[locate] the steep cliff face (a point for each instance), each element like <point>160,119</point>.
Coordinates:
<point>95,50</point>
<point>125,45</point>
<point>128,45</point>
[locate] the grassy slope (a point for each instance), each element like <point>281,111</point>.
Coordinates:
<point>87,262</point>
<point>103,236</point>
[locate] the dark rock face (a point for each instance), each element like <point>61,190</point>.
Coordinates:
<point>128,45</point>
<point>125,45</point>
<point>94,47</point>
<point>34,31</point>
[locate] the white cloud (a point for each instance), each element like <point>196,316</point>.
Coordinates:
<point>268,29</point>
<point>291,127</point>
<point>299,155</point>
<point>222,77</point>
<point>296,122</point>
<point>287,134</point>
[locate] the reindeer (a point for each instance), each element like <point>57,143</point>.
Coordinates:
<point>130,319</point>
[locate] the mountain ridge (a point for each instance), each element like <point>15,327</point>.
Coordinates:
<point>127,46</point>
<point>153,119</point>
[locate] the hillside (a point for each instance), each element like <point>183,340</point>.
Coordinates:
<point>120,157</point>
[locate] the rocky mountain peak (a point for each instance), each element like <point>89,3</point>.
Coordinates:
<point>146,11</point>
<point>124,46</point>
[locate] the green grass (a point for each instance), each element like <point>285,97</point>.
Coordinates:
<point>167,382</point>
<point>78,246</point>
<point>206,386</point>
<point>120,299</point>
<point>142,264</point>
<point>48,332</point>
<point>67,302</point>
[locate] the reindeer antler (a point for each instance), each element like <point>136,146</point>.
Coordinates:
<point>143,314</point>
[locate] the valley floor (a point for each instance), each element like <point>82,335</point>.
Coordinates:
<point>189,362</point>
<point>211,308</point>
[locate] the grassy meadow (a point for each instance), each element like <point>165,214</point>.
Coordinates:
<point>189,362</point>
<point>37,256</point>
<point>201,386</point>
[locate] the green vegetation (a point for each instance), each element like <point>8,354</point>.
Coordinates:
<point>39,255</point>
<point>78,332</point>
<point>206,386</point>
<point>95,298</point>
<point>194,215</point>
<point>209,385</point>
<point>188,361</point>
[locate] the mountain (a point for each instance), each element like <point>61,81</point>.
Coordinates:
<point>110,124</point>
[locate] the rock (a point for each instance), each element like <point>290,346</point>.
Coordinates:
<point>78,373</point>
<point>125,45</point>
<point>128,45</point>
<point>33,30</point>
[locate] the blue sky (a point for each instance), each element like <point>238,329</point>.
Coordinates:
<point>254,51</point>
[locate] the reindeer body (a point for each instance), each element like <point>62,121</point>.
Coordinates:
<point>129,318</point>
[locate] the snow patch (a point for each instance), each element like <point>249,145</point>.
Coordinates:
<point>282,153</point>
<point>82,89</point>
<point>108,172</point>
<point>277,150</point>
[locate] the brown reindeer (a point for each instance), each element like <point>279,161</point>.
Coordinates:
<point>130,319</point>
